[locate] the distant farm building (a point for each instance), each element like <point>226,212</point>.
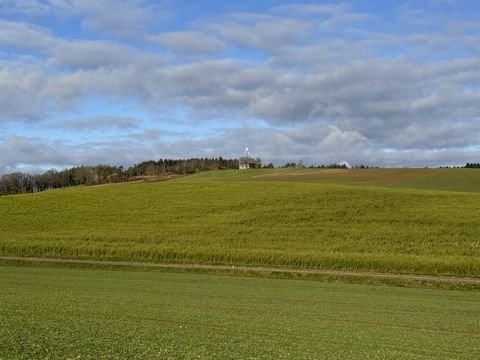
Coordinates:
<point>246,162</point>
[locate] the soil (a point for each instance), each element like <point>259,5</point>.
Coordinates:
<point>255,269</point>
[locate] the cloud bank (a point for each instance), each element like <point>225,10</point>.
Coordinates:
<point>87,82</point>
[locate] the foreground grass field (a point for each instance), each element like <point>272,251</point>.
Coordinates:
<point>263,217</point>
<point>53,313</point>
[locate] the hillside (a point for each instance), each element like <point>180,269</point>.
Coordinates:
<point>461,180</point>
<point>294,218</point>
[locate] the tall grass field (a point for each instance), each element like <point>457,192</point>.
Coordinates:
<point>424,221</point>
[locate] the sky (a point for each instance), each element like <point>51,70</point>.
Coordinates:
<point>382,83</point>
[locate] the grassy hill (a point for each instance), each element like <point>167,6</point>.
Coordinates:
<point>462,180</point>
<point>372,219</point>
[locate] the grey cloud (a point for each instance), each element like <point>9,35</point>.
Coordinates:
<point>99,123</point>
<point>436,13</point>
<point>190,41</point>
<point>427,44</point>
<point>110,82</point>
<point>324,145</point>
<point>329,16</point>
<point>318,57</point>
<point>23,153</point>
<point>314,144</point>
<point>85,54</point>
<point>23,35</point>
<point>151,134</point>
<point>94,54</point>
<point>372,98</point>
<point>120,17</point>
<point>338,21</point>
<point>387,89</point>
<point>30,8</point>
<point>332,145</point>
<point>419,158</point>
<point>20,93</point>
<point>200,84</point>
<point>265,33</point>
<point>313,9</point>
<point>439,135</point>
<point>343,100</point>
<point>17,152</point>
<point>118,152</point>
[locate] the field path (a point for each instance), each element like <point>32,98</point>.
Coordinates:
<point>255,269</point>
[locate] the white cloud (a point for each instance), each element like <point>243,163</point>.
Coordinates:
<point>190,41</point>
<point>351,140</point>
<point>337,90</point>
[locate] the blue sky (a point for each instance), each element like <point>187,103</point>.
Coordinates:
<point>384,83</point>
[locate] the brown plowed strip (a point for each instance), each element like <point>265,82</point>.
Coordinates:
<point>259,269</point>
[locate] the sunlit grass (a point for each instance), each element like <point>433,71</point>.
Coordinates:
<point>232,217</point>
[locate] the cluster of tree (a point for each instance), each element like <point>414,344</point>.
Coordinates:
<point>20,183</point>
<point>330,166</point>
<point>325,166</point>
<point>186,166</point>
<point>293,165</point>
<point>473,166</point>
<point>362,166</point>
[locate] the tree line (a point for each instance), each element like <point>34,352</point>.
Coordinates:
<point>21,183</point>
<point>300,165</point>
<point>472,165</point>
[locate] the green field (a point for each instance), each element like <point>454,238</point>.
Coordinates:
<point>463,180</point>
<point>55,313</point>
<point>294,218</point>
<point>423,221</point>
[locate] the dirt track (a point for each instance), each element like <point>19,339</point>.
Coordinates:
<point>336,273</point>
